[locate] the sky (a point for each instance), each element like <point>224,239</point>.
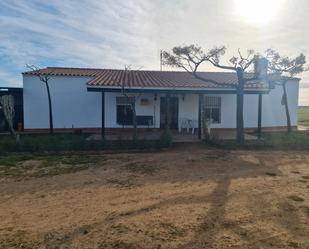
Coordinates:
<point>116,33</point>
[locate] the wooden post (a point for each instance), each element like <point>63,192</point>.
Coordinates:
<point>167,117</point>
<point>200,100</point>
<point>260,116</point>
<point>103,116</point>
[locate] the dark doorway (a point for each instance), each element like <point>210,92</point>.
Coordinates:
<point>169,109</point>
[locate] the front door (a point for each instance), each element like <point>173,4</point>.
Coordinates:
<point>169,110</point>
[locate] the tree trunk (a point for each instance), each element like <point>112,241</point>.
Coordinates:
<point>12,131</point>
<point>260,116</point>
<point>200,116</point>
<point>240,106</point>
<point>14,134</point>
<point>134,121</point>
<point>286,105</point>
<point>51,126</point>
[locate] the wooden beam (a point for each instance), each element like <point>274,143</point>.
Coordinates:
<point>103,115</point>
<point>175,91</point>
<point>260,116</point>
<point>167,117</point>
<point>200,101</point>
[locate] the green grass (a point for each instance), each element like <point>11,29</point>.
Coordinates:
<point>73,142</point>
<point>38,155</point>
<point>14,159</point>
<point>283,140</point>
<point>296,140</point>
<point>303,116</point>
<point>141,168</point>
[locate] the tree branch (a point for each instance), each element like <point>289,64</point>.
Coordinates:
<point>209,80</point>
<point>221,66</point>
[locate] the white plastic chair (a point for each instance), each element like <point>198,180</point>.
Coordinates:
<point>187,124</point>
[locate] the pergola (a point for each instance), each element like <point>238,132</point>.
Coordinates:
<point>169,92</point>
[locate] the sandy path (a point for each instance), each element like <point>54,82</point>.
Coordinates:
<point>181,198</point>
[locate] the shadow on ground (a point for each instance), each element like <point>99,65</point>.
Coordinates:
<point>191,198</point>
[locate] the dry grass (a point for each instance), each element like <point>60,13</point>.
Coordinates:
<point>187,197</point>
<point>22,166</point>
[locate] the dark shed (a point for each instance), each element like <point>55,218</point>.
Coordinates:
<point>17,93</point>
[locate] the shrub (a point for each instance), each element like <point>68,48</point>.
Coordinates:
<point>71,142</point>
<point>165,139</point>
<point>212,139</point>
<point>275,141</point>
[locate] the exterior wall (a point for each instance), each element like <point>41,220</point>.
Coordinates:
<point>74,106</point>
<point>228,111</point>
<point>273,113</point>
<point>188,107</point>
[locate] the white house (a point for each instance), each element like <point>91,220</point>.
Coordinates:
<point>93,99</point>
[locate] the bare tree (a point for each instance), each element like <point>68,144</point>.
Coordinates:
<point>45,77</point>
<point>191,57</point>
<point>131,99</point>
<point>284,69</point>
<point>7,103</point>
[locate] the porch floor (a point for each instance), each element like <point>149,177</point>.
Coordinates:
<point>182,137</point>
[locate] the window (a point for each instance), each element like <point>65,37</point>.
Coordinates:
<point>212,109</point>
<point>124,110</point>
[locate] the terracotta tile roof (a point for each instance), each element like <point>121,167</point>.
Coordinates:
<point>110,78</point>
<point>65,71</point>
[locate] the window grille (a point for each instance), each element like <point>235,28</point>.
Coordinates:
<point>212,109</point>
<point>124,110</point>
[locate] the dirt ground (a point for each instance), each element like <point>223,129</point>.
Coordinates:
<point>186,197</point>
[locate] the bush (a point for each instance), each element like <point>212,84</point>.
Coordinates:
<point>166,138</point>
<point>71,142</point>
<point>212,139</point>
<point>275,141</point>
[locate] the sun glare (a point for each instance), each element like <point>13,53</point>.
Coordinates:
<point>258,11</point>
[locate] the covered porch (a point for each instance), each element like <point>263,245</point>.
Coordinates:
<point>182,111</point>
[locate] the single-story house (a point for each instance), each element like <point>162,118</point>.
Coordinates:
<point>98,99</point>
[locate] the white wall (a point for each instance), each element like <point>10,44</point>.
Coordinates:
<point>273,113</point>
<point>228,111</point>
<point>72,104</point>
<point>188,107</point>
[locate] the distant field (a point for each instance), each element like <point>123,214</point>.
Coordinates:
<point>303,116</point>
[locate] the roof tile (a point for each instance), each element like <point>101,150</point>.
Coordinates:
<point>148,79</point>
